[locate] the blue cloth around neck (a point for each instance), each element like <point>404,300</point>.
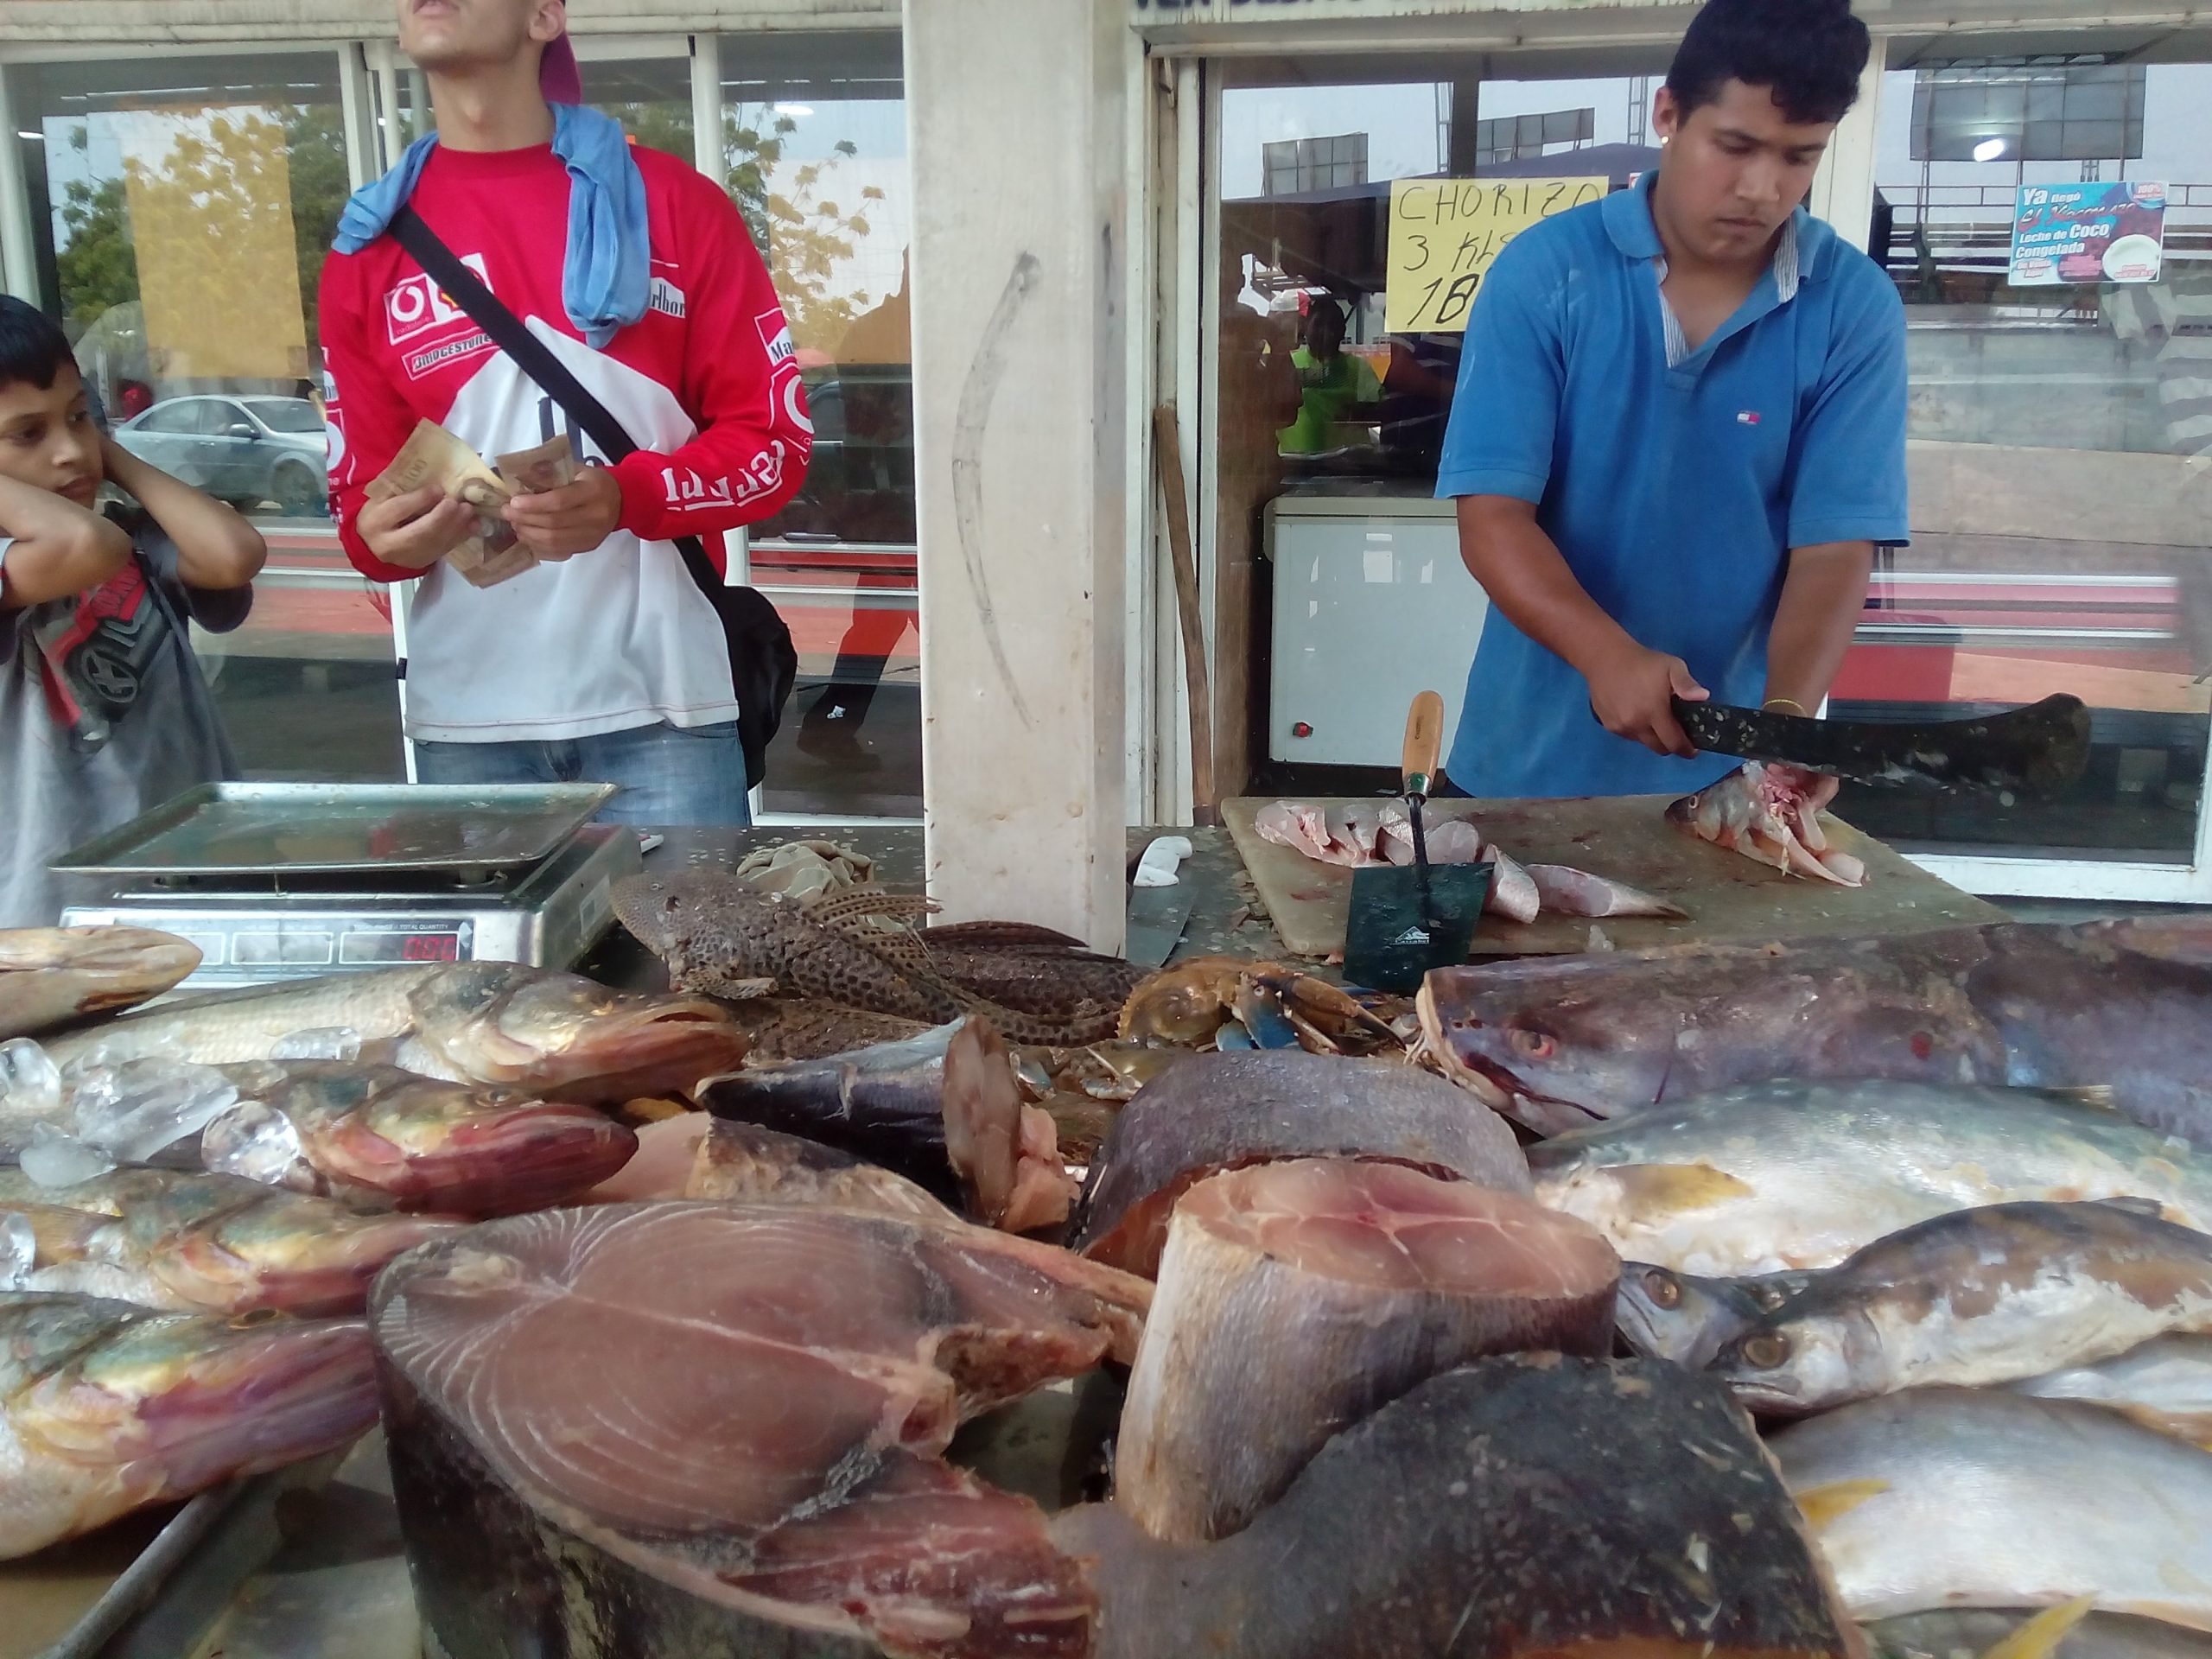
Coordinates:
<point>605,280</point>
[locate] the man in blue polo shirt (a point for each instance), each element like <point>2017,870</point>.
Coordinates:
<point>1679,431</point>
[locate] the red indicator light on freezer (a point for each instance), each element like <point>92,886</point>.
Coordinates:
<point>1301,729</point>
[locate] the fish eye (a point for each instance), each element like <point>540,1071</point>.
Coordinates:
<point>1536,1045</point>
<point>1765,1352</point>
<point>1663,1287</point>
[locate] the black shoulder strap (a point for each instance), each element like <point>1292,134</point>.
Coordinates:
<point>533,356</point>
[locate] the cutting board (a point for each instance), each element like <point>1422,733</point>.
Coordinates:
<point>1627,838</point>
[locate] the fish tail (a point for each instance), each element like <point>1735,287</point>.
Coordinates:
<point>2038,1638</point>
<point>1825,1505</point>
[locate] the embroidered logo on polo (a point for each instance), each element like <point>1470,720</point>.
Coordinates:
<point>1747,417</point>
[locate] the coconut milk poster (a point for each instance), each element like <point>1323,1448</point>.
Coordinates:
<point>2087,233</point>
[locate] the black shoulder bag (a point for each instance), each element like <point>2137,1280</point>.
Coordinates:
<point>762,662</point>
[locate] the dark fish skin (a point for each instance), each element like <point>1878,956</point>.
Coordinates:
<point>723,936</point>
<point>1530,1504</point>
<point>1560,1044</point>
<point>1211,1112</point>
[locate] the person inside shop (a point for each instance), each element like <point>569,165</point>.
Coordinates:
<point>1333,383</point>
<point>104,711</point>
<point>606,661</point>
<point>1679,433</point>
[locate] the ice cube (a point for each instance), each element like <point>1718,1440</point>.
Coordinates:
<point>52,1157</point>
<point>132,1110</point>
<point>105,1053</point>
<point>30,1083</point>
<point>18,1250</point>
<point>341,1043</point>
<point>260,1142</point>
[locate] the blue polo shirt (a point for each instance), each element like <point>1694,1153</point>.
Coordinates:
<point>1674,482</point>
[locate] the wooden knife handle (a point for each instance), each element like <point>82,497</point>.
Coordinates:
<point>1424,742</point>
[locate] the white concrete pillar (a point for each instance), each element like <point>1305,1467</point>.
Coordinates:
<point>1843,189</point>
<point>1015,114</point>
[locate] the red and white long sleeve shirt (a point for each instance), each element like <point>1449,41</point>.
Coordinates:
<point>707,383</point>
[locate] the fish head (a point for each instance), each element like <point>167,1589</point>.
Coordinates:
<point>456,1147</point>
<point>1544,1051</point>
<point>1795,1364</point>
<point>564,1037</point>
<point>710,916</point>
<point>1664,1314</point>
<point>188,1399</point>
<point>287,1250</point>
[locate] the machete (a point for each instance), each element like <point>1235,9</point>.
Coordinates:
<point>2039,750</point>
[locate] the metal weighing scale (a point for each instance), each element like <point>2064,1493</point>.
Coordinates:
<point>281,881</point>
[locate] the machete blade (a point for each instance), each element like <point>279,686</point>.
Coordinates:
<point>2040,750</point>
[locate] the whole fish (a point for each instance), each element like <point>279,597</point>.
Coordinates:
<point>2166,1385</point>
<point>164,1238</point>
<point>781,1028</point>
<point>1559,1044</point>
<point>1974,1297</point>
<point>1974,1632</point>
<point>723,936</point>
<point>560,1036</point>
<point>1979,1497</point>
<point>417,1142</point>
<point>105,1408</point>
<point>1785,1175</point>
<point>1034,970</point>
<point>1527,1505</point>
<point>1687,1318</point>
<point>49,975</point>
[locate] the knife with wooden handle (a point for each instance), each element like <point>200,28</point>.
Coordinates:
<point>2039,750</point>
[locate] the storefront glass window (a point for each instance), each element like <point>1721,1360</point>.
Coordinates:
<point>814,148</point>
<point>1339,588</point>
<point>2058,429</point>
<point>182,208</point>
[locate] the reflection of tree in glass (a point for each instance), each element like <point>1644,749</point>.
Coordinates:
<point>219,176</point>
<point>803,237</point>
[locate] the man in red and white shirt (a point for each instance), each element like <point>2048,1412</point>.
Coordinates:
<point>605,661</point>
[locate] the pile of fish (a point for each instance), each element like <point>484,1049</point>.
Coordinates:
<point>1381,833</point>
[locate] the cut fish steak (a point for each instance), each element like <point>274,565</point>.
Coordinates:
<point>730,1416</point>
<point>1295,1297</point>
<point>1213,1112</point>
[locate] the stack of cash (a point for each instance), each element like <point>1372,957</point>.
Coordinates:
<point>433,455</point>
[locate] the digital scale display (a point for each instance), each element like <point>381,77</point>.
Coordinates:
<point>323,944</point>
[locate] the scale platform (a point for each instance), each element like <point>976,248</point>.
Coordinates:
<point>279,881</point>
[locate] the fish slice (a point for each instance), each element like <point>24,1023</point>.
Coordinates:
<point>1405,921</point>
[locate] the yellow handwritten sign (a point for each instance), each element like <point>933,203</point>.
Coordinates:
<point>1445,233</point>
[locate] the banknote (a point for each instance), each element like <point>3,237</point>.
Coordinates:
<point>433,455</point>
<point>550,465</point>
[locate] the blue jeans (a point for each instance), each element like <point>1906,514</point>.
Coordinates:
<point>671,775</point>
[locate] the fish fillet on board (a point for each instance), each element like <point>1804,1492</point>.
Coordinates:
<point>1538,1504</point>
<point>1981,1497</point>
<point>1212,1112</point>
<point>1295,1297</point>
<point>718,1428</point>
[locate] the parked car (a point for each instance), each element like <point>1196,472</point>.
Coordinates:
<point>244,451</point>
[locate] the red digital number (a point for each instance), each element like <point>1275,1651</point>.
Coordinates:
<point>431,947</point>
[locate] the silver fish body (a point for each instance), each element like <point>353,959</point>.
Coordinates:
<point>1968,1633</point>
<point>1974,1297</point>
<point>1972,1497</point>
<point>2166,1385</point>
<point>1786,1175</point>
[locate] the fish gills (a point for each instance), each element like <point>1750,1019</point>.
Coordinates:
<point>1295,1297</point>
<point>1215,1112</point>
<point>50,974</point>
<point>1987,1498</point>
<point>105,1406</point>
<point>733,1415</point>
<point>1532,1504</point>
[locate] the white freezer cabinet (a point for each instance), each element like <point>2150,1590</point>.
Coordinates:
<point>1372,604</point>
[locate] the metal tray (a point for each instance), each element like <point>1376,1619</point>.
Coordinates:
<point>256,828</point>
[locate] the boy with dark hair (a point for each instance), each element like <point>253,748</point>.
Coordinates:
<point>103,709</point>
<point>1679,430</point>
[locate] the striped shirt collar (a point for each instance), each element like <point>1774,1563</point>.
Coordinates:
<point>1785,270</point>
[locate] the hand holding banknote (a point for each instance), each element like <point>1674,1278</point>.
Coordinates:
<point>438,500</point>
<point>559,509</point>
